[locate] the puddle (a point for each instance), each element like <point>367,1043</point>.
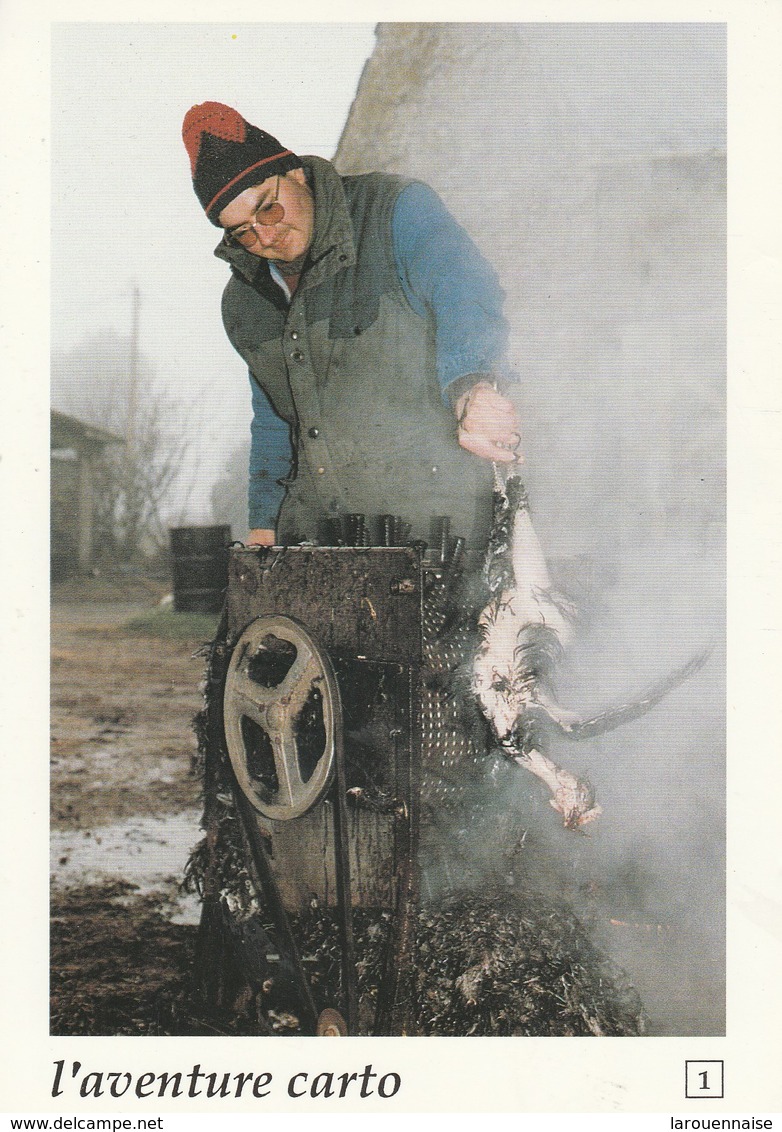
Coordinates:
<point>148,852</point>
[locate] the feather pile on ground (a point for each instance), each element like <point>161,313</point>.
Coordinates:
<point>517,963</point>
<point>504,963</point>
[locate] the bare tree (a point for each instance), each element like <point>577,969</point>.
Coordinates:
<point>105,381</point>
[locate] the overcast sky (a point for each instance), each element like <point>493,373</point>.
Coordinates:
<point>123,207</point>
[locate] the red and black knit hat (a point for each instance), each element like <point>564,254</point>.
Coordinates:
<point>228,155</point>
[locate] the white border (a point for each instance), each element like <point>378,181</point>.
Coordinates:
<point>440,1075</point>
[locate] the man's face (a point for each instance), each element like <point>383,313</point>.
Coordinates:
<point>288,240</point>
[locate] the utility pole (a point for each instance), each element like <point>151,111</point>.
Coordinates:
<point>130,426</point>
<point>133,503</point>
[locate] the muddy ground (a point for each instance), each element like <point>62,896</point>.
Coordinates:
<point>125,811</point>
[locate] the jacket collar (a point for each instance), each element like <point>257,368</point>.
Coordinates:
<point>332,248</point>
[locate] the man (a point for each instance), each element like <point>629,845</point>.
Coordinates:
<point>373,333</point>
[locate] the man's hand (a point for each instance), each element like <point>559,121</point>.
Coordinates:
<point>260,536</point>
<point>489,425</point>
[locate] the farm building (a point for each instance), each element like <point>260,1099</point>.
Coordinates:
<point>75,448</point>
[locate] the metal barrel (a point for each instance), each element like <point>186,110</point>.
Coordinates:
<point>199,567</point>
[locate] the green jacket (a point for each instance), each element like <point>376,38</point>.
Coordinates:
<point>350,365</point>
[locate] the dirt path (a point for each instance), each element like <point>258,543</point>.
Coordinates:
<point>125,813</point>
<point>122,711</point>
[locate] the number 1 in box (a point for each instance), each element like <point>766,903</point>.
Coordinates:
<point>704,1079</point>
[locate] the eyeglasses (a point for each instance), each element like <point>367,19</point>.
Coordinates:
<point>266,215</point>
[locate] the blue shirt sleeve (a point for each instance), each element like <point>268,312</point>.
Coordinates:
<point>270,460</point>
<point>441,270</point>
